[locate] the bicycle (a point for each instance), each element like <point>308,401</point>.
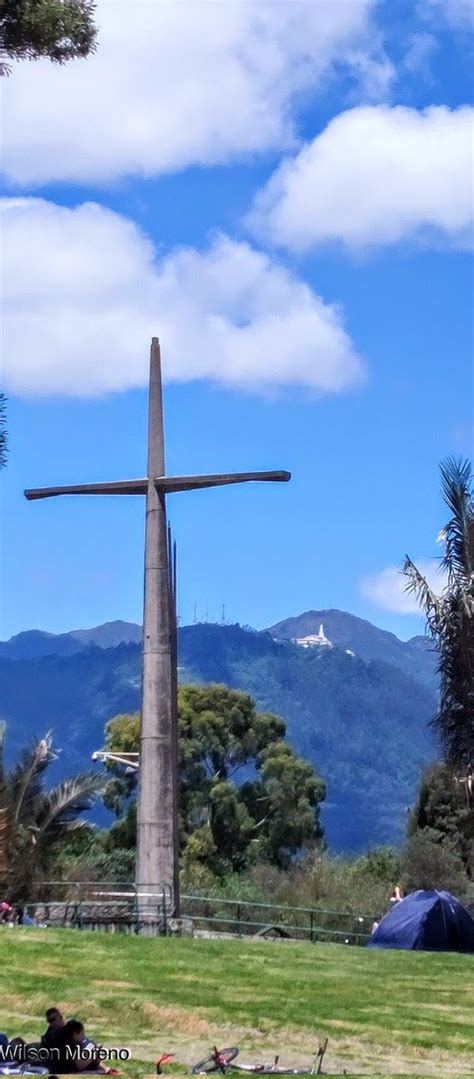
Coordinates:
<point>221,1060</point>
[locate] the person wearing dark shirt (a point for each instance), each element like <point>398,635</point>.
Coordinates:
<point>51,1038</point>
<point>84,1050</point>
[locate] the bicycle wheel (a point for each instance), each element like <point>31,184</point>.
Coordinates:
<point>215,1063</point>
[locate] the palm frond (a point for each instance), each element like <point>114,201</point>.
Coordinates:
<point>59,808</point>
<point>34,820</point>
<point>26,779</point>
<point>430,603</point>
<point>450,617</point>
<point>456,484</point>
<point>58,815</point>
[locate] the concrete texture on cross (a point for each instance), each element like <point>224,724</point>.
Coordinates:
<point>157,865</point>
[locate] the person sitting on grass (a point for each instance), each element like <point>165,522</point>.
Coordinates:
<point>51,1037</point>
<point>21,916</point>
<point>15,1059</point>
<point>80,1051</point>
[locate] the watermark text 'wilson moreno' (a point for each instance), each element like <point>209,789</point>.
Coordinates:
<point>38,1054</point>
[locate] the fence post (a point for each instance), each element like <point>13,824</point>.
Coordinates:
<point>79,907</point>
<point>164,922</point>
<point>136,911</point>
<point>238,919</point>
<point>311,925</point>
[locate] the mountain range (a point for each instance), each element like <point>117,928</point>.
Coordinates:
<point>359,710</point>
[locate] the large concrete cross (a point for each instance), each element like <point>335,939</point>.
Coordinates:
<point>157,864</point>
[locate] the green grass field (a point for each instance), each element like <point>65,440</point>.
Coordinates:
<point>383,1012</point>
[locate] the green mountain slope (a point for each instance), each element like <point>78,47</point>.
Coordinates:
<point>362,724</point>
<point>415,657</point>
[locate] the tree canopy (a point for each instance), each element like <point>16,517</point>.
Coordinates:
<point>441,825</point>
<point>450,616</point>
<point>443,813</point>
<point>244,794</point>
<point>59,30</point>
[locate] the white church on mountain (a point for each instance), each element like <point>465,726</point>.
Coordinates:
<point>314,640</point>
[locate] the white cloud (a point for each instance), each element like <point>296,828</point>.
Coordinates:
<point>386,588</point>
<point>84,290</point>
<point>174,84</point>
<point>376,175</point>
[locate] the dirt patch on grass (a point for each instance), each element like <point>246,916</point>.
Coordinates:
<point>168,1017</point>
<point>29,935</point>
<point>51,970</point>
<point>448,1009</point>
<point>13,1002</point>
<point>113,984</point>
<point>8,1017</point>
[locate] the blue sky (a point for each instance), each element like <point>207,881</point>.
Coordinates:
<point>288,207</point>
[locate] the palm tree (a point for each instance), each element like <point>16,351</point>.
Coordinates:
<point>34,820</point>
<point>450,616</point>
<point>3,431</point>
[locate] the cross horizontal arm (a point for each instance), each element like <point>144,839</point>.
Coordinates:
<point>121,487</point>
<point>168,484</point>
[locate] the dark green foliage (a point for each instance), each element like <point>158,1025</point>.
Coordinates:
<point>94,861</point>
<point>225,826</point>
<point>284,803</point>
<point>123,833</point>
<point>380,863</point>
<point>60,30</point>
<point>441,828</point>
<point>432,865</point>
<point>3,431</point>
<point>450,617</point>
<point>222,844</point>
<point>36,820</point>
<point>443,812</point>
<point>318,879</point>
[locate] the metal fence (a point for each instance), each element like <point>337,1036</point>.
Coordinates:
<point>102,905</point>
<point>118,907</point>
<point>248,918</point>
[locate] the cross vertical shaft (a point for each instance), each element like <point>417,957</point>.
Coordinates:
<point>157,793</point>
<point>157,865</point>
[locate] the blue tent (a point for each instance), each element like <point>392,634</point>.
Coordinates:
<point>427,921</point>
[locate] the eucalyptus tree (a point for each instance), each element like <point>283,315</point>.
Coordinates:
<point>244,794</point>
<point>59,30</point>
